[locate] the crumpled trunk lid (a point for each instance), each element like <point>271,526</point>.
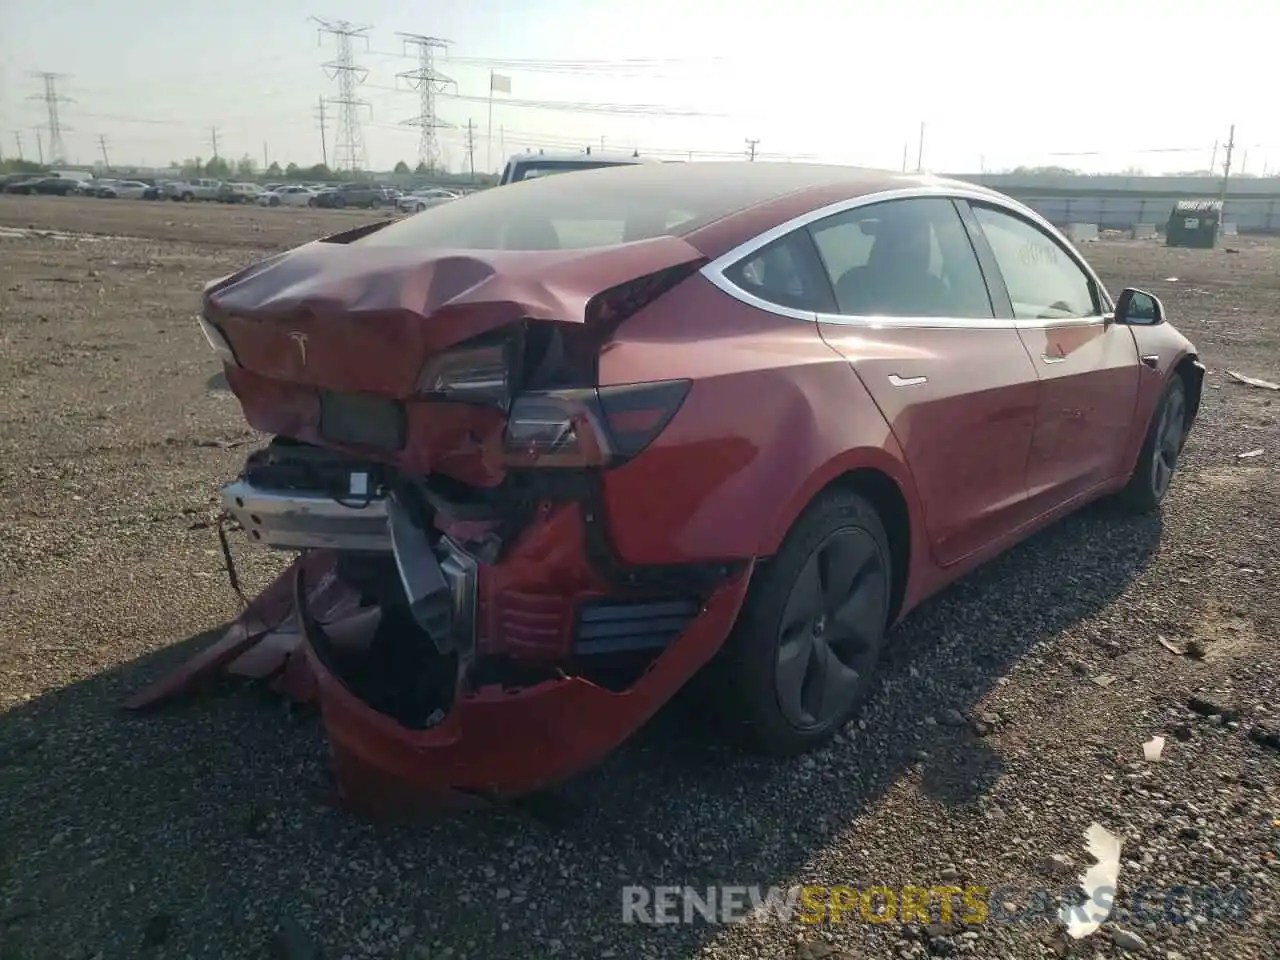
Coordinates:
<point>338,315</point>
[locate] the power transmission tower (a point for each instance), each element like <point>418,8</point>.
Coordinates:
<point>428,83</point>
<point>471,150</point>
<point>17,135</point>
<point>213,141</point>
<point>102,142</point>
<point>39,146</point>
<point>751,149</point>
<point>51,99</point>
<point>324,146</point>
<point>348,152</point>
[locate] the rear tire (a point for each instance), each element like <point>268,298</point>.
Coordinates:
<point>1161,448</point>
<point>803,651</point>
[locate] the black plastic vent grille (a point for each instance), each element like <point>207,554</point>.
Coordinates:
<point>630,626</point>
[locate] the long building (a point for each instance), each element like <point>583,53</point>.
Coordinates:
<point>1119,202</point>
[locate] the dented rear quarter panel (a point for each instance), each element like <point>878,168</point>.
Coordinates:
<point>773,416</point>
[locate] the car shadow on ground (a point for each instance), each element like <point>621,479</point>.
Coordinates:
<point>673,806</point>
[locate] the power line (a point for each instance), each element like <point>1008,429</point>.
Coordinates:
<point>428,83</point>
<point>348,149</point>
<point>51,99</point>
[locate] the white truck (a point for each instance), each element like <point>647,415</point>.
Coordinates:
<point>195,189</point>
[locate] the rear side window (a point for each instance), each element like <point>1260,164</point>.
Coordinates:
<point>903,258</point>
<point>787,272</point>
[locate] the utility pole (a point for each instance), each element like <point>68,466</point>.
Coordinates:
<point>920,151</point>
<point>1226,175</point>
<point>1213,158</point>
<point>213,140</point>
<point>904,156</point>
<point>471,150</point>
<point>39,147</point>
<point>102,142</point>
<point>348,150</point>
<point>751,149</point>
<point>324,147</point>
<point>17,135</point>
<point>266,162</point>
<point>428,82</point>
<point>51,99</point>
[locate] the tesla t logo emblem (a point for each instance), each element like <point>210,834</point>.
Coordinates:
<point>301,340</point>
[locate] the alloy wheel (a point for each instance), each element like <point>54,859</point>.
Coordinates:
<point>831,629</point>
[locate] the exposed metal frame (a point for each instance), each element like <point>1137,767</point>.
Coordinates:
<point>715,270</point>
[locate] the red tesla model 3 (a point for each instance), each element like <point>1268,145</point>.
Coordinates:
<point>551,449</point>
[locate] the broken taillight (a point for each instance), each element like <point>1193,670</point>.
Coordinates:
<point>591,427</point>
<point>474,374</point>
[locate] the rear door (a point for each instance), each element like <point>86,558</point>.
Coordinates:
<point>946,367</point>
<point>1087,364</point>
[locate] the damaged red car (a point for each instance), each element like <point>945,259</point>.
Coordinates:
<point>552,450</point>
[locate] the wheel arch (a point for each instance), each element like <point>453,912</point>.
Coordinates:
<point>1190,370</point>
<point>884,481</point>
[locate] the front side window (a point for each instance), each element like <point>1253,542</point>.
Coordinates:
<point>1044,281</point>
<point>902,258</point>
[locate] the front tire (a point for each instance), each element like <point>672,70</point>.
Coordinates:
<point>1161,448</point>
<point>802,654</point>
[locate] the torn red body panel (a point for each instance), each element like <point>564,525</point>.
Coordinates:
<point>497,743</point>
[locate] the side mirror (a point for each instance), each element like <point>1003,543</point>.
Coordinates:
<point>1139,308</point>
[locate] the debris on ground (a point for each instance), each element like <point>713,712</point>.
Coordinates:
<point>1099,883</point>
<point>1253,381</point>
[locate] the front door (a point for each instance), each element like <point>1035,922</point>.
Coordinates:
<point>952,379</point>
<point>1087,364</point>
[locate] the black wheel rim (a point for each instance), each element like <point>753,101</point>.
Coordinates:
<point>1168,442</point>
<point>831,629</point>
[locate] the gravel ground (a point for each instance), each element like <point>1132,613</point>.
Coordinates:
<point>1012,715</point>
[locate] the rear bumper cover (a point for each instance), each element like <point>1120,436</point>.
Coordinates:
<point>495,743</point>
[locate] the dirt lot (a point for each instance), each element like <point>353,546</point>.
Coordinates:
<point>198,831</point>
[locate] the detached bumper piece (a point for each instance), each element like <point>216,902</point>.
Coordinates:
<point>412,726</point>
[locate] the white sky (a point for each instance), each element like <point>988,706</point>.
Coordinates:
<point>997,83</point>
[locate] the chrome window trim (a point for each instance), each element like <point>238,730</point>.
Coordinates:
<point>715,270</point>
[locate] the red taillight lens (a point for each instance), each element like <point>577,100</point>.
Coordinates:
<point>478,374</point>
<point>592,427</point>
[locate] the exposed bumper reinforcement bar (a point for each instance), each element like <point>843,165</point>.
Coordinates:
<point>293,520</point>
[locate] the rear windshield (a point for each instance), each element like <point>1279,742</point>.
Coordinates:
<point>590,208</point>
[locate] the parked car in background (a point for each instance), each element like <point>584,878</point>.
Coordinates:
<point>292,195</point>
<point>238,192</point>
<point>526,166</point>
<point>48,186</point>
<point>351,195</point>
<point>187,191</point>
<point>415,201</point>
<point>123,190</point>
